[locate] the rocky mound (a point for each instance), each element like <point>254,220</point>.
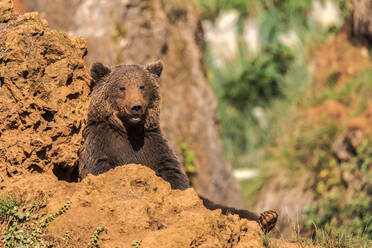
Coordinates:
<point>43,95</point>
<point>125,206</point>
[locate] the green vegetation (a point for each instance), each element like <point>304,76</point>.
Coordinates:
<point>94,240</point>
<point>243,87</point>
<point>189,161</point>
<point>210,9</point>
<point>267,242</point>
<point>342,188</point>
<point>255,82</point>
<point>254,185</point>
<point>261,100</point>
<point>26,223</point>
<point>255,91</point>
<point>66,238</point>
<point>360,88</point>
<point>330,238</point>
<point>136,244</point>
<point>52,217</point>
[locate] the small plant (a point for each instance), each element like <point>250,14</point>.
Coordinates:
<point>267,242</point>
<point>66,238</point>
<point>8,208</point>
<point>332,79</point>
<point>136,244</point>
<point>255,81</point>
<point>23,226</point>
<point>94,240</point>
<point>328,237</point>
<point>52,217</point>
<point>189,160</point>
<point>13,212</point>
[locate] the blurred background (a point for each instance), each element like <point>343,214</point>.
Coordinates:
<point>268,103</point>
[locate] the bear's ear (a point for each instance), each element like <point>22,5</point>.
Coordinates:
<point>155,67</point>
<point>98,71</point>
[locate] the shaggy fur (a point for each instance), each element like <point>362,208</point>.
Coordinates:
<point>115,136</point>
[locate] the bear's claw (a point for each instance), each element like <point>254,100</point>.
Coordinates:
<point>268,220</point>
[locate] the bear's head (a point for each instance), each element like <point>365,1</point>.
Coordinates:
<point>126,95</point>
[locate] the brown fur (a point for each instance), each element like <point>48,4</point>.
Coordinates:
<point>113,137</point>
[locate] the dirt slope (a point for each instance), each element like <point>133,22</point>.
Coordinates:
<point>43,95</point>
<point>133,205</point>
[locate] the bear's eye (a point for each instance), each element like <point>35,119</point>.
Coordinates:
<point>142,87</point>
<point>122,88</point>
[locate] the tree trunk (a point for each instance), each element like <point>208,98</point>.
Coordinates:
<point>361,22</point>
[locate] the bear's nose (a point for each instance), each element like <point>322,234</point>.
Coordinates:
<point>136,109</point>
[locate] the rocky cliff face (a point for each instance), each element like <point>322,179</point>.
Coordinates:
<point>135,31</point>
<point>43,96</point>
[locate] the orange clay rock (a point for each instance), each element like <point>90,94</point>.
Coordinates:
<point>44,89</point>
<point>132,204</point>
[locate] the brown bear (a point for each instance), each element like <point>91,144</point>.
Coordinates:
<point>123,128</point>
